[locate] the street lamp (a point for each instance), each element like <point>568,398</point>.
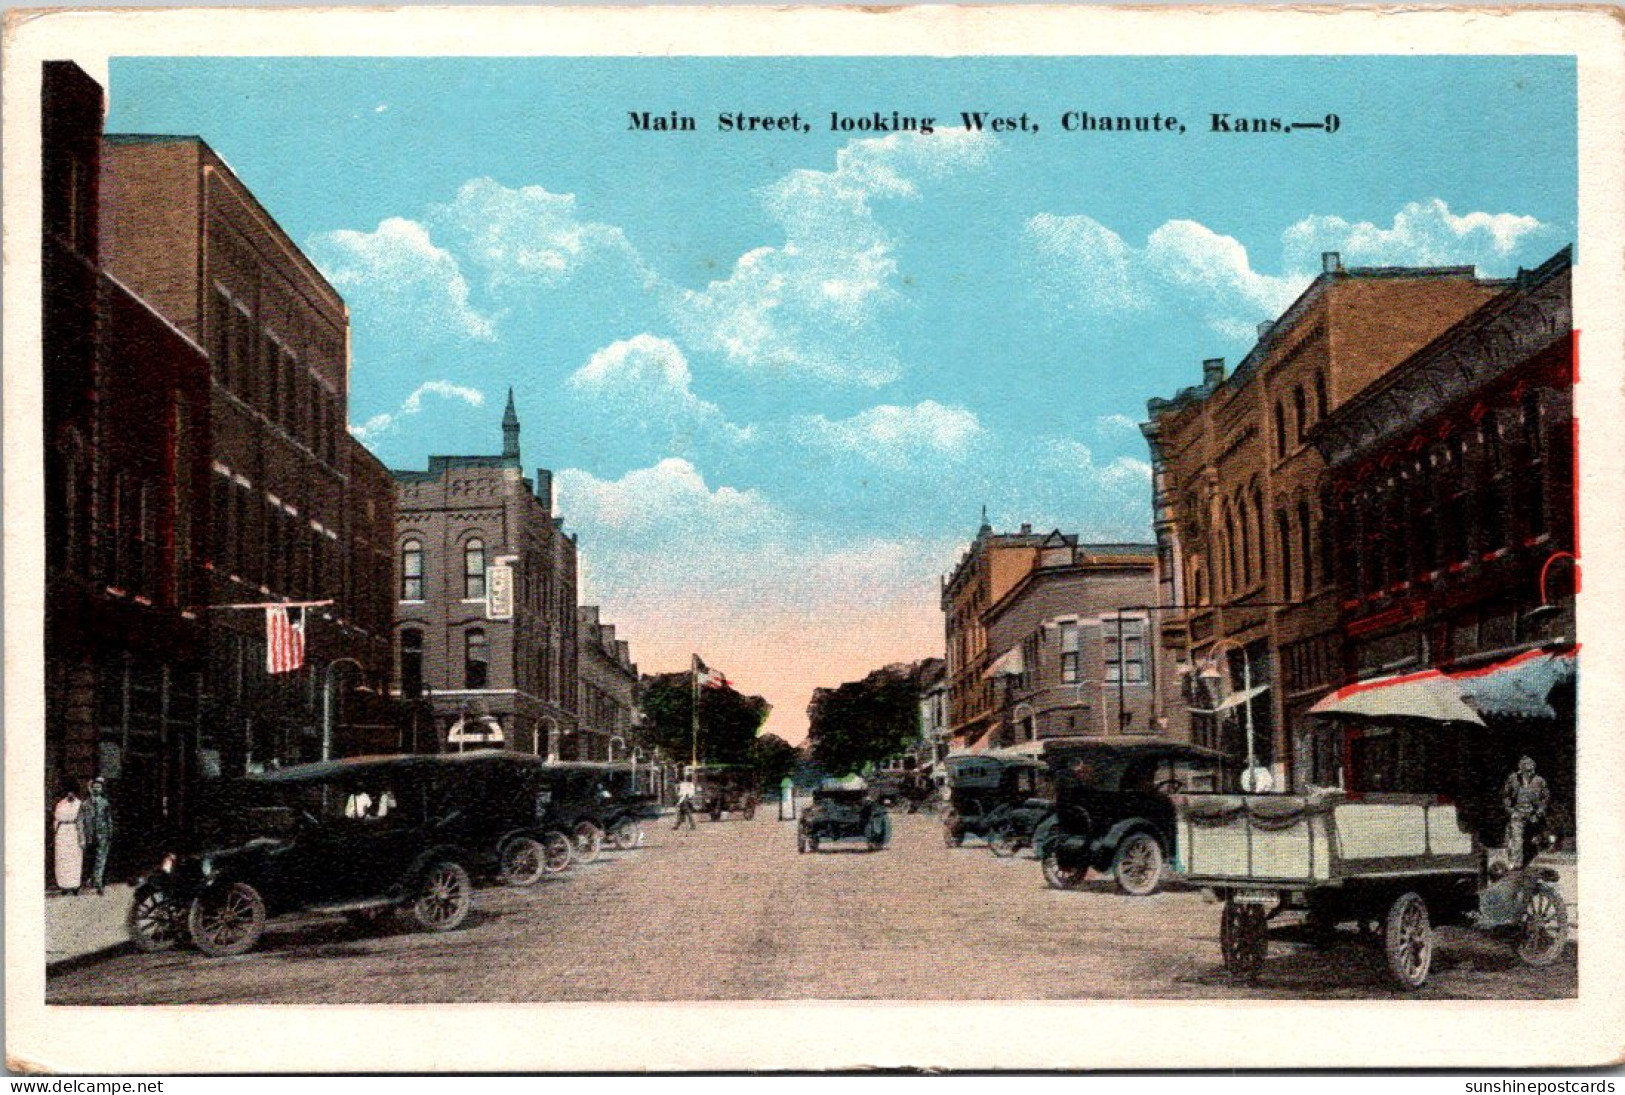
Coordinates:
<point>1210,672</point>
<point>327,702</point>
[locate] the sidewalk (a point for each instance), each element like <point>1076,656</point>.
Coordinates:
<point>86,925</point>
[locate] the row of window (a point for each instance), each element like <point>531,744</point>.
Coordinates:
<point>254,365</point>
<point>412,587</point>
<point>1294,411</point>
<point>260,541</point>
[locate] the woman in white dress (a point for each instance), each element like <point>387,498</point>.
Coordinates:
<point>69,842</point>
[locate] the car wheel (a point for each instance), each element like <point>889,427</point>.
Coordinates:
<point>1003,842</point>
<point>444,897</point>
<point>559,851</point>
<point>749,811</point>
<point>1138,864</point>
<point>156,922</point>
<point>1408,941</point>
<point>1543,931</point>
<point>1244,940</point>
<point>625,835</point>
<point>587,840</point>
<point>226,920</point>
<point>1060,877</point>
<point>879,833</point>
<point>953,833</point>
<point>801,843</point>
<point>524,861</point>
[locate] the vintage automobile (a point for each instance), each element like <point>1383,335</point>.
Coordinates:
<point>843,810</point>
<point>983,789</point>
<point>631,803</point>
<point>726,789</point>
<point>1113,811</point>
<point>360,837</point>
<point>497,805</point>
<point>581,804</point>
<point>1380,852</point>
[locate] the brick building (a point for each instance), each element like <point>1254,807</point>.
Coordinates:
<point>486,602</point>
<point>1451,527</point>
<point>1074,650</point>
<point>126,465</point>
<point>296,506</point>
<point>609,690</point>
<point>1238,511</point>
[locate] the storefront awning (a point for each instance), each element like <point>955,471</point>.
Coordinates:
<point>1009,664</point>
<point>1518,687</point>
<point>1020,749</point>
<point>1425,695</point>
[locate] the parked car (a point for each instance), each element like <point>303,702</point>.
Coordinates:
<point>727,789</point>
<point>359,837</point>
<point>581,804</point>
<point>1113,813</point>
<point>843,810</point>
<point>497,806</point>
<point>983,788</point>
<point>631,804</point>
<point>1016,825</point>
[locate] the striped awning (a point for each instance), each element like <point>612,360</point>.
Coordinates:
<point>1428,695</point>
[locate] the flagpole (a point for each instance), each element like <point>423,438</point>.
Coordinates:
<point>694,710</point>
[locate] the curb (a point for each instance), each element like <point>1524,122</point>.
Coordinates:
<point>88,958</point>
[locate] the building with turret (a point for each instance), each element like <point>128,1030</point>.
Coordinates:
<point>486,615</point>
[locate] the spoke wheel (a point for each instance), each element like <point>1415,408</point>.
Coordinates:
<point>1060,877</point>
<point>156,923</point>
<point>1003,842</point>
<point>625,836</point>
<point>1244,941</point>
<point>1408,941</point>
<point>1138,864</point>
<point>524,861</point>
<point>587,840</point>
<point>444,897</point>
<point>953,834</point>
<point>226,920</point>
<point>559,851</point>
<point>1543,931</point>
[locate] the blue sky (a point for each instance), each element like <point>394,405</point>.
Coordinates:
<point>777,375</point>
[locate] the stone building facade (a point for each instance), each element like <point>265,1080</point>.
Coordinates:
<point>609,690</point>
<point>1075,651</point>
<point>295,505</point>
<point>1449,496</point>
<point>1239,511</point>
<point>486,602</point>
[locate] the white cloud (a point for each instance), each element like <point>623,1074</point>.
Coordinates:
<point>397,274</point>
<point>646,380</point>
<point>894,436</point>
<point>1422,233</point>
<point>1187,267</point>
<point>670,499</point>
<point>528,235</point>
<point>1117,423</point>
<point>810,307</point>
<point>379,424</point>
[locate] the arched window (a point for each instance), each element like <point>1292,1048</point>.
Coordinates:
<point>412,571</point>
<point>1305,547</point>
<point>411,663</point>
<point>1283,531</point>
<point>1280,430</point>
<point>474,570</point>
<point>1228,582</point>
<point>1261,572</point>
<point>476,659</point>
<point>1320,395</point>
<point>1300,407</point>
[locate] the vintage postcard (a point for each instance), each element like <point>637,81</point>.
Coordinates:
<point>625,539</point>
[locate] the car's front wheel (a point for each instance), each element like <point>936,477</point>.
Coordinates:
<point>559,851</point>
<point>156,921</point>
<point>625,835</point>
<point>1003,842</point>
<point>587,840</point>
<point>953,833</point>
<point>444,897</point>
<point>1138,864</point>
<point>524,861</point>
<point>1061,877</point>
<point>226,920</point>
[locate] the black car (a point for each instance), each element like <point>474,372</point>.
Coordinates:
<point>498,805</point>
<point>580,803</point>
<point>1112,811</point>
<point>984,789</point>
<point>843,811</point>
<point>359,837</point>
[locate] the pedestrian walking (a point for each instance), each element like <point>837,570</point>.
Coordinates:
<point>68,841</point>
<point>98,828</point>
<point>1527,799</point>
<point>685,804</point>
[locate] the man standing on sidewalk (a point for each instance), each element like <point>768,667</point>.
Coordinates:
<point>685,803</point>
<point>99,831</point>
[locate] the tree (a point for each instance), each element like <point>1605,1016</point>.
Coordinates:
<point>728,720</point>
<point>773,758</point>
<point>865,722</point>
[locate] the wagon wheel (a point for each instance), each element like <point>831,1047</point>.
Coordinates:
<point>524,861</point>
<point>156,922</point>
<point>586,841</point>
<point>1138,864</point>
<point>953,834</point>
<point>1243,940</point>
<point>1003,842</point>
<point>444,897</point>
<point>1408,941</point>
<point>1543,930</point>
<point>559,851</point>
<point>1062,877</point>
<point>226,920</point>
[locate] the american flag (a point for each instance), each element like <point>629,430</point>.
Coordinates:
<point>284,639</point>
<point>708,678</point>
